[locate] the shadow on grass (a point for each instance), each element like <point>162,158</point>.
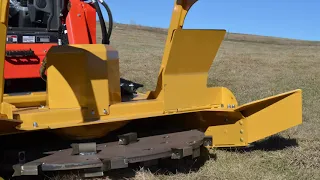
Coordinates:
<point>272,143</point>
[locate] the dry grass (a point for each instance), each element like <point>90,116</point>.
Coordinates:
<point>252,67</point>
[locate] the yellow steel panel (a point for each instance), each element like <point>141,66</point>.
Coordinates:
<point>226,127</point>
<point>29,100</point>
<point>4,4</point>
<point>114,83</point>
<point>137,109</point>
<point>255,121</point>
<point>6,125</point>
<point>93,82</point>
<point>185,75</point>
<point>228,135</point>
<point>104,75</point>
<point>273,115</point>
<point>193,51</point>
<point>4,13</point>
<point>44,117</point>
<point>66,78</point>
<point>7,109</point>
<point>68,117</point>
<point>179,13</point>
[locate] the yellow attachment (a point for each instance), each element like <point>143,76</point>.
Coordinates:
<point>179,13</point>
<point>186,71</point>
<point>7,124</point>
<point>83,76</point>
<point>27,100</point>
<point>255,121</point>
<point>83,98</point>
<point>272,115</point>
<point>4,4</point>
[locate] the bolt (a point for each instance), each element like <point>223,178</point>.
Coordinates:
<point>59,42</point>
<point>92,112</point>
<point>21,156</point>
<point>222,105</point>
<point>241,122</point>
<point>233,106</point>
<point>42,106</point>
<point>241,131</point>
<point>78,15</point>
<point>35,124</point>
<point>241,139</point>
<point>105,111</point>
<point>229,106</point>
<point>207,143</point>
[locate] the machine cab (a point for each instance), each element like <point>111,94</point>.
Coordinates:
<point>34,26</point>
<point>34,21</point>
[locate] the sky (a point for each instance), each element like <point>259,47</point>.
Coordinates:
<point>296,19</point>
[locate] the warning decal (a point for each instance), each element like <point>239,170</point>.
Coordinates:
<point>28,39</point>
<point>12,38</point>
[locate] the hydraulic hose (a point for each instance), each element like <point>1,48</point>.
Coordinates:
<point>105,5</point>
<point>16,6</point>
<point>102,23</point>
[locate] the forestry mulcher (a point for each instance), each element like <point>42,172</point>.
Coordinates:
<point>85,102</point>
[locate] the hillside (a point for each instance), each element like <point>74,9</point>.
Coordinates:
<point>229,36</point>
<point>252,67</point>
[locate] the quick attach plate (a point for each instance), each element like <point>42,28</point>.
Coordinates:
<point>96,159</point>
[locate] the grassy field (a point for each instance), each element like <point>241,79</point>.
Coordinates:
<point>252,67</point>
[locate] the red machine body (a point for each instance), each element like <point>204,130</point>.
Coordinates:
<point>81,23</point>
<point>25,67</point>
<point>23,59</point>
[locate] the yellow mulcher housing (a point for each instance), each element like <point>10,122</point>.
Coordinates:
<point>83,98</point>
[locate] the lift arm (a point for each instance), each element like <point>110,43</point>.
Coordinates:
<point>180,11</point>
<point>6,125</point>
<point>4,5</point>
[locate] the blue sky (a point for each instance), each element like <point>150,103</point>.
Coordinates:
<point>297,19</point>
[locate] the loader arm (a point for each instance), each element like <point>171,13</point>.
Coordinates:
<point>4,5</point>
<point>6,125</point>
<point>180,11</point>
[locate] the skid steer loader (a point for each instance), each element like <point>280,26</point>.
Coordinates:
<point>84,102</point>
<point>34,26</point>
